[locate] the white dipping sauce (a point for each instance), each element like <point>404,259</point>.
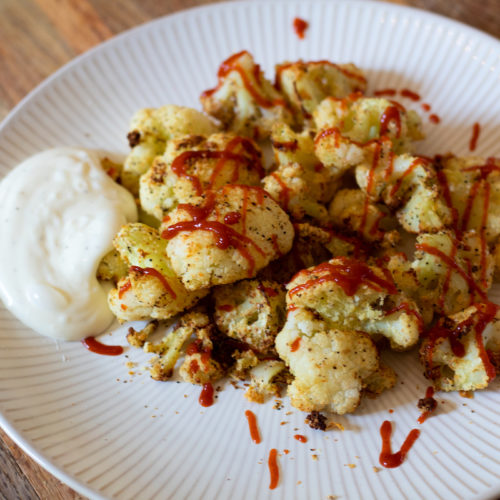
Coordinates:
<point>59,212</point>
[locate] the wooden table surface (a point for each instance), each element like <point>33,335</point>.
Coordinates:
<point>39,36</point>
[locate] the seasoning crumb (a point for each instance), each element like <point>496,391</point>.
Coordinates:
<point>283,423</point>
<point>278,404</point>
<point>299,483</point>
<point>351,466</point>
<point>289,413</point>
<point>315,457</point>
<point>316,420</point>
<point>335,425</point>
<point>466,394</point>
<point>376,469</point>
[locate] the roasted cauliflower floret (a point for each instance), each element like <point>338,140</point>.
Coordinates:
<point>411,185</point>
<point>471,186</point>
<point>383,379</point>
<point>363,119</point>
<point>263,380</point>
<point>192,164</point>
<point>244,101</point>
<point>459,352</point>
<point>233,234</point>
<point>306,84</point>
<point>151,289</point>
<point>350,295</point>
<point>151,129</point>
<point>352,211</point>
<point>252,311</point>
<point>330,366</point>
<point>300,183</point>
<point>452,274</point>
<point>112,267</point>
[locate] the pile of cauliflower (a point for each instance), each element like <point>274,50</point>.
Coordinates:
<point>271,226</point>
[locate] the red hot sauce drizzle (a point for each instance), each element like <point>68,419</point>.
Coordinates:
<point>300,26</point>
<point>476,128</point>
<point>410,94</point>
<point>252,426</point>
<point>294,346</point>
<point>387,458</point>
<point>207,395</point>
<point>274,471</point>
<point>385,92</point>
<point>94,345</point>
<point>391,114</point>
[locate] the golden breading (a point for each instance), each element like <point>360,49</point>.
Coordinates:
<point>252,311</point>
<point>192,164</point>
<point>306,84</point>
<point>151,289</point>
<point>244,101</point>
<point>458,352</point>
<point>348,294</point>
<point>233,234</point>
<point>352,211</point>
<point>330,366</point>
<point>149,132</point>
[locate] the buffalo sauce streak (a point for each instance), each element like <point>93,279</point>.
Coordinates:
<point>252,426</point>
<point>301,438</point>
<point>294,346</point>
<point>225,236</point>
<point>387,458</point>
<point>274,471</point>
<point>94,345</point>
<point>348,273</point>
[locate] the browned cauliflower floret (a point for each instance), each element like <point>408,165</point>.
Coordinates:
<point>151,289</point>
<point>252,311</point>
<point>263,382</point>
<point>199,366</point>
<point>409,184</point>
<point>137,338</point>
<point>352,211</point>
<point>192,164</point>
<point>452,274</point>
<point>350,295</point>
<point>151,129</point>
<point>233,234</point>
<point>383,379</point>
<point>330,366</point>
<point>460,351</point>
<point>244,101</point>
<point>300,183</point>
<point>306,84</point>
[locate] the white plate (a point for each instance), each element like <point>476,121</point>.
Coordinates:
<point>111,435</point>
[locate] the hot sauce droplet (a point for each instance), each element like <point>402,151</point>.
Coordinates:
<point>94,345</point>
<point>252,426</point>
<point>434,119</point>
<point>387,458</point>
<point>301,438</point>
<point>273,468</point>
<point>295,344</point>
<point>476,128</point>
<point>300,26</point>
<point>410,94</point>
<point>207,395</point>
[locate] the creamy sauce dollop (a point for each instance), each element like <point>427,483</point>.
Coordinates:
<point>59,214</point>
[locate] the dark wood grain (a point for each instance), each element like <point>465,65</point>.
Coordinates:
<point>39,36</point>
